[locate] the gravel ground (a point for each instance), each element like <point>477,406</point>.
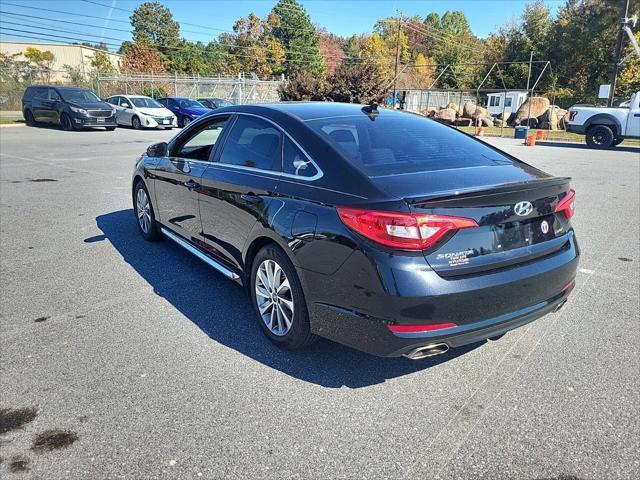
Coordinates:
<point>132,360</point>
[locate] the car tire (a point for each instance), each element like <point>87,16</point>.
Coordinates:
<point>282,315</point>
<point>29,119</point>
<point>618,141</point>
<point>144,213</point>
<point>66,122</point>
<point>110,129</point>
<point>600,136</point>
<point>135,123</point>
<point>186,121</point>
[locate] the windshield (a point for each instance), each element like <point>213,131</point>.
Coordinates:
<point>145,103</point>
<point>404,143</point>
<point>80,96</point>
<point>188,103</point>
<point>223,103</point>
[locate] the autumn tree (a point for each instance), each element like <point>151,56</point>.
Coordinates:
<point>374,50</point>
<point>142,58</point>
<point>299,38</point>
<point>253,47</point>
<point>40,62</point>
<point>331,49</point>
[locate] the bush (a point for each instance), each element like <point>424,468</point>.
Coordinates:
<point>153,92</point>
<point>301,86</point>
<point>355,83</point>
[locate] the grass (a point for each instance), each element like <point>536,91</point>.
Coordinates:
<point>10,121</point>
<point>561,135</point>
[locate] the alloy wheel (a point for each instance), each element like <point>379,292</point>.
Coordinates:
<point>186,121</point>
<point>274,297</point>
<point>143,210</point>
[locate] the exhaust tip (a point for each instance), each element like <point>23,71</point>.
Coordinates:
<point>427,351</point>
<point>559,306</point>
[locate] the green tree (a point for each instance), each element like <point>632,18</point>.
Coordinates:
<point>299,38</point>
<point>153,23</point>
<point>581,44</point>
<point>101,62</point>
<point>454,45</point>
<point>629,79</point>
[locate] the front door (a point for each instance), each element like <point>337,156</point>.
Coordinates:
<point>239,185</point>
<point>633,120</point>
<point>177,178</point>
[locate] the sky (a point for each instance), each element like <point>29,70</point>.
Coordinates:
<point>202,20</point>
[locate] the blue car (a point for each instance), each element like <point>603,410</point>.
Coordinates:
<point>185,109</point>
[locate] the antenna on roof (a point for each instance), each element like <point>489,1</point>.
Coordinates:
<point>371,110</point>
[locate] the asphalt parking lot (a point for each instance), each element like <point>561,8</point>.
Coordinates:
<point>155,367</point>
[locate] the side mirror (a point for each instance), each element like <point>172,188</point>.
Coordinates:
<point>158,150</point>
<point>125,105</point>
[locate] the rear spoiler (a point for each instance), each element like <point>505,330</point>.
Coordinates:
<point>442,199</point>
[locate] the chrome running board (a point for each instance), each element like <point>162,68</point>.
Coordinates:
<point>202,256</point>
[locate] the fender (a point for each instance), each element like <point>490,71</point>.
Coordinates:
<point>604,119</point>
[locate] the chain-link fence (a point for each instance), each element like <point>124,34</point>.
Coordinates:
<point>237,89</point>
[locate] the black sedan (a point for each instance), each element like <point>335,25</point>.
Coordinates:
<point>378,229</point>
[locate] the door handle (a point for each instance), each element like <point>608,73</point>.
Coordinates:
<point>191,185</point>
<point>250,197</point>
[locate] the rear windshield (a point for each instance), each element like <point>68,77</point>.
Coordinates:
<point>405,143</point>
<point>71,95</point>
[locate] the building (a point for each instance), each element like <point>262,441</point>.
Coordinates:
<point>75,56</point>
<point>507,102</point>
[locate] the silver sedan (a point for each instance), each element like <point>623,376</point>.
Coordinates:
<point>138,111</point>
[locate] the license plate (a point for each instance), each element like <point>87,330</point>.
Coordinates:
<point>100,120</point>
<point>165,122</point>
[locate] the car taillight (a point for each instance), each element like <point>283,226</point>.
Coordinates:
<point>405,231</point>
<point>566,205</point>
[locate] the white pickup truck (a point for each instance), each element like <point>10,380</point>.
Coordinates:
<point>605,127</point>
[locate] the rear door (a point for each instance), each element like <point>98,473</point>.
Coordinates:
<point>177,178</point>
<point>39,104</point>
<point>239,185</point>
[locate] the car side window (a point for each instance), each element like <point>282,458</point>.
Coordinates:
<point>294,162</point>
<point>199,145</point>
<point>41,93</point>
<point>253,143</point>
<point>53,95</point>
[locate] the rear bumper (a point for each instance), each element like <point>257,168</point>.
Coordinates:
<point>575,129</point>
<point>481,306</point>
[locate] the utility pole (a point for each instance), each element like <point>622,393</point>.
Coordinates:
<point>623,22</point>
<point>395,74</point>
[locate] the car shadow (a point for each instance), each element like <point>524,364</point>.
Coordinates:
<point>619,148</point>
<point>221,309</point>
<point>54,126</point>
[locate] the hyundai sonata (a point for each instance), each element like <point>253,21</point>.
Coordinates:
<point>378,229</point>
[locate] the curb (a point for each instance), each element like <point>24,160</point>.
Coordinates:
<point>12,125</point>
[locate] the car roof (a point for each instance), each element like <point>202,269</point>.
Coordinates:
<point>304,111</point>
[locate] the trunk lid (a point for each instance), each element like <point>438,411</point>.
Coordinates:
<point>516,221</point>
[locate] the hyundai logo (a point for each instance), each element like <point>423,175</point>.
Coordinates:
<point>523,209</point>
